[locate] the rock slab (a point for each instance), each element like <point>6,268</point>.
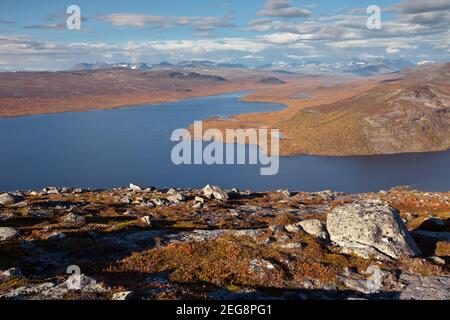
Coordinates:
<point>371,228</point>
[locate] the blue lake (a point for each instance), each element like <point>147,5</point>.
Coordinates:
<point>111,148</point>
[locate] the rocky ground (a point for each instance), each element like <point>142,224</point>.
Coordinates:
<point>136,243</point>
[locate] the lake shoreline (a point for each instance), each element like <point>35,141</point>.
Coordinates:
<point>94,150</point>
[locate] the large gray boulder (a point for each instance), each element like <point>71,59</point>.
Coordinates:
<point>371,229</point>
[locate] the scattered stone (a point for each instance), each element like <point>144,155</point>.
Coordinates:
<point>134,187</point>
<point>11,273</point>
<point>40,214</point>
<point>74,220</point>
<point>425,288</point>
<point>260,266</point>
<point>176,198</point>
<point>81,282</point>
<point>21,204</point>
<point>199,200</point>
<point>438,260</point>
<point>52,190</point>
<point>291,245</point>
<point>207,235</point>
<point>160,202</point>
<point>315,227</point>
<point>293,228</point>
<point>147,221</point>
<point>125,200</point>
<point>7,199</point>
<point>197,205</point>
<point>214,192</point>
<point>373,284</point>
<point>277,228</point>
<point>57,236</point>
<point>285,192</point>
<point>327,195</point>
<point>172,191</point>
<point>7,233</point>
<point>371,228</point>
<point>39,291</point>
<point>122,296</point>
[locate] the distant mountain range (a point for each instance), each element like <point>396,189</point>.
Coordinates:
<point>360,67</point>
<point>194,64</point>
<point>357,66</point>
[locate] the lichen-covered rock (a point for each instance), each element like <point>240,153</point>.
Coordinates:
<point>7,233</point>
<point>371,229</point>
<point>122,296</point>
<point>7,199</point>
<point>176,198</point>
<point>215,192</point>
<point>74,220</point>
<point>425,288</point>
<point>134,187</point>
<point>315,227</point>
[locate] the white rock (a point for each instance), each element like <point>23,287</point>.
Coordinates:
<point>197,205</point>
<point>147,221</point>
<point>215,192</point>
<point>7,199</point>
<point>7,233</point>
<point>176,198</point>
<point>315,228</point>
<point>293,228</point>
<point>199,199</point>
<point>134,187</point>
<point>121,296</point>
<point>81,282</point>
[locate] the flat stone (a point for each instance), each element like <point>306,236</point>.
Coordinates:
<point>425,288</point>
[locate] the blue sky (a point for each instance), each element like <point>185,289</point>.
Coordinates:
<point>33,35</point>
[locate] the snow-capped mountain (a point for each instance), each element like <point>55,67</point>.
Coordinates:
<point>101,66</point>
<point>363,67</point>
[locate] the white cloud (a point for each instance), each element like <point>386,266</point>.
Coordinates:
<point>201,24</point>
<point>392,50</point>
<point>284,9</point>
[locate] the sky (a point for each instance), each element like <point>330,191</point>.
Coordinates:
<point>34,34</point>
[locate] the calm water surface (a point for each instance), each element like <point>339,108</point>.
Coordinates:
<point>110,148</point>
